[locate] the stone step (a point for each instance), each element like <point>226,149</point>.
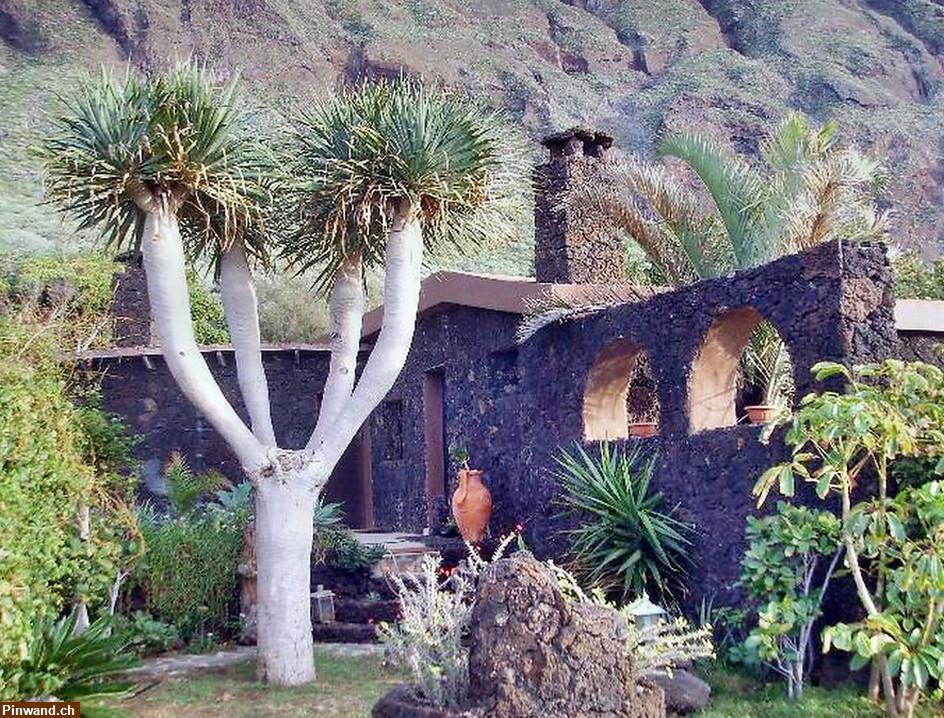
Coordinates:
<point>340,632</point>
<point>356,610</point>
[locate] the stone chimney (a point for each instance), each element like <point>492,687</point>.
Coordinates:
<point>130,306</point>
<point>573,247</point>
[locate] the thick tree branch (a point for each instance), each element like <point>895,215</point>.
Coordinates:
<point>242,318</point>
<point>401,297</point>
<point>165,267</point>
<point>347,312</point>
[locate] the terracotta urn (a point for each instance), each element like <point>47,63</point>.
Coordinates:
<point>760,413</point>
<point>643,429</point>
<point>472,505</point>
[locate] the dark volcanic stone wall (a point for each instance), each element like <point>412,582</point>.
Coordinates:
<point>153,405</point>
<point>571,245</point>
<point>922,346</point>
<point>513,406</point>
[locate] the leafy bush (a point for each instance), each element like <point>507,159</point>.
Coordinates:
<point>783,573</point>
<point>185,488</point>
<point>206,312</point>
<point>915,279</point>
<point>909,632</point>
<point>144,634</point>
<point>624,543</point>
<point>339,548</point>
<point>50,470</point>
<point>894,548</point>
<point>188,573</point>
<point>74,667</point>
<point>72,294</point>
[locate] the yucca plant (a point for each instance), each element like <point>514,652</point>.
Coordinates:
<point>624,541</point>
<point>77,666</point>
<point>377,175</point>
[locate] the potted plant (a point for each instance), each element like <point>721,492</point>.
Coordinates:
<point>645,421</point>
<point>472,501</point>
<point>761,413</point>
<point>643,429</point>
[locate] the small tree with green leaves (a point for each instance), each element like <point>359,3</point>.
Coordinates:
<point>841,440</point>
<point>787,569</point>
<point>375,176</point>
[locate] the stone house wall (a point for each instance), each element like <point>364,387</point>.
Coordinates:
<point>513,406</point>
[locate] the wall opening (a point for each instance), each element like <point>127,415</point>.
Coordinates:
<point>620,396</point>
<point>742,362</point>
<point>351,485</point>
<point>434,428</point>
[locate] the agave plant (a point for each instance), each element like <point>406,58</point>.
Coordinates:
<point>77,666</point>
<point>624,542</point>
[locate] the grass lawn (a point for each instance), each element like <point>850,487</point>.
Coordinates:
<point>737,696</point>
<point>346,688</point>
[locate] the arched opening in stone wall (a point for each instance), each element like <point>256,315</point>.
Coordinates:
<point>743,364</point>
<point>620,398</point>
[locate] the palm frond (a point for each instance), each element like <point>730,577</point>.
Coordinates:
<point>835,202</point>
<point>737,190</point>
<point>641,200</point>
<point>552,307</point>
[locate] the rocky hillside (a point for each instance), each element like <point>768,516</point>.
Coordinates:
<point>632,67</point>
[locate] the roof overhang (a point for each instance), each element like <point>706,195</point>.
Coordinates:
<point>501,293</point>
<point>919,315</point>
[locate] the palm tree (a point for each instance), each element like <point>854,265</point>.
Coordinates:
<point>809,190</point>
<point>377,174</point>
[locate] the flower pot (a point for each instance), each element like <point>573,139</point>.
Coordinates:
<point>761,413</point>
<point>472,505</point>
<point>643,429</point>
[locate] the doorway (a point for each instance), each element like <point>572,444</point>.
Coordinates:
<point>434,427</point>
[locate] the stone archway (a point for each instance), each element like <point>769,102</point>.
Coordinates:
<point>714,380</point>
<point>608,403</point>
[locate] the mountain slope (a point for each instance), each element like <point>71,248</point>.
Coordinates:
<point>632,67</point>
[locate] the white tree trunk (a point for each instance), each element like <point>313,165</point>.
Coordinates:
<point>283,558</point>
<point>242,317</point>
<point>403,272</point>
<point>347,313</point>
<point>166,271</point>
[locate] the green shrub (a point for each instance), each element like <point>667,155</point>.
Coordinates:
<point>787,569</point>
<point>206,311</point>
<point>185,488</point>
<point>188,573</point>
<point>339,548</point>
<point>145,634</point>
<point>71,293</point>
<point>48,473</point>
<point>624,542</point>
<point>893,546</point>
<point>915,279</point>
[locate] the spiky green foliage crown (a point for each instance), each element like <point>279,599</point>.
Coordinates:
<point>390,146</point>
<point>183,133</point>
